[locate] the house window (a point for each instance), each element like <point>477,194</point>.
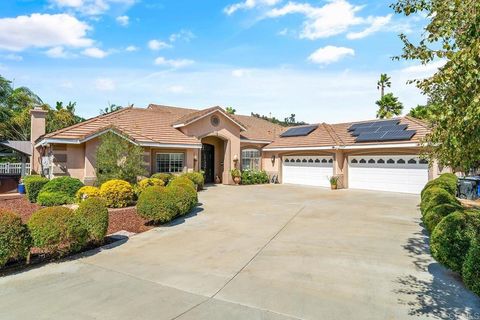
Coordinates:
<point>250,159</point>
<point>170,162</point>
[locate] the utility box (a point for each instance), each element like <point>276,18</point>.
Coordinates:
<point>469,188</point>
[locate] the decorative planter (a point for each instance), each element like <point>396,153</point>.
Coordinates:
<point>237,180</point>
<point>333,186</point>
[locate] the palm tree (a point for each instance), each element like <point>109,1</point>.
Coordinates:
<point>383,83</point>
<point>230,110</point>
<point>389,106</point>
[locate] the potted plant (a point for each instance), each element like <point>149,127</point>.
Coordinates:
<point>236,175</point>
<point>334,182</point>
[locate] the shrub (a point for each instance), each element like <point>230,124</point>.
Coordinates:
<point>181,180</point>
<point>66,185</point>
<point>117,193</point>
<point>254,177</point>
<point>471,267</point>
<point>165,177</point>
<point>185,196</point>
<point>447,181</point>
<point>452,237</point>
<point>15,240</point>
<point>93,215</point>
<point>49,199</point>
<point>87,192</point>
<point>57,230</point>
<point>33,185</point>
<point>148,182</point>
<point>197,178</point>
<point>435,214</point>
<point>434,196</point>
<point>157,204</point>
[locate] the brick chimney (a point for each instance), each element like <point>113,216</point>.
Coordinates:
<point>38,129</point>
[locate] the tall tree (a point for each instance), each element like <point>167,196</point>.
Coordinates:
<point>383,83</point>
<point>426,112</point>
<point>389,106</point>
<point>230,110</point>
<point>453,35</point>
<point>110,108</point>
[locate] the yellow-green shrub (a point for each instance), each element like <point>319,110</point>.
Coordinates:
<point>148,182</point>
<point>87,192</point>
<point>157,204</point>
<point>196,177</point>
<point>15,240</point>
<point>33,185</point>
<point>165,177</point>
<point>117,193</point>
<point>181,180</point>
<point>92,213</point>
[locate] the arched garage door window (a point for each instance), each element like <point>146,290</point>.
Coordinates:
<point>250,159</point>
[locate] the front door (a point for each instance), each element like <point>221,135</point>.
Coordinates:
<point>208,162</point>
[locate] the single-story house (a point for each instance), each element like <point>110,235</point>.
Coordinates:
<point>374,155</point>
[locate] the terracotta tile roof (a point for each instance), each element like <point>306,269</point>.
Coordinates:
<point>337,135</point>
<point>194,116</point>
<point>259,129</point>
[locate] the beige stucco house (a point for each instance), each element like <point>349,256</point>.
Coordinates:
<point>180,139</point>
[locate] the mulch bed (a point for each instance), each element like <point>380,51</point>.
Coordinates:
<point>119,219</point>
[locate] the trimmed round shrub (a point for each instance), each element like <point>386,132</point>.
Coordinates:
<point>197,178</point>
<point>447,181</point>
<point>452,237</point>
<point>67,185</point>
<point>148,182</point>
<point>15,240</point>
<point>434,196</point>
<point>33,185</point>
<point>435,214</point>
<point>185,198</point>
<point>50,199</point>
<point>157,204</point>
<point>57,231</point>
<point>471,267</point>
<point>87,192</point>
<point>117,193</point>
<point>93,215</point>
<point>181,180</point>
<point>165,177</point>
<point>254,177</point>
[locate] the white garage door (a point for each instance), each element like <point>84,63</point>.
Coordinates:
<point>407,174</point>
<point>307,170</point>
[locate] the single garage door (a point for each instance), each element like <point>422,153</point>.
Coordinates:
<point>307,170</point>
<point>407,174</point>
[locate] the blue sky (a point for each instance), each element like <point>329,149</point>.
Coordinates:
<point>317,59</point>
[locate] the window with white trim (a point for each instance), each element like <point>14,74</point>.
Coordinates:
<point>170,162</point>
<point>250,159</point>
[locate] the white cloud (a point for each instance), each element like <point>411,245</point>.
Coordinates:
<point>185,35</point>
<point>93,7</point>
<point>41,31</point>
<point>377,24</point>
<point>424,70</point>
<point>240,72</point>
<point>13,57</point>
<point>174,63</point>
<point>330,54</point>
<point>95,53</point>
<point>333,18</point>
<point>131,48</point>
<point>158,45</point>
<point>56,52</point>
<point>249,4</point>
<point>176,89</point>
<point>104,84</point>
<point>123,20</point>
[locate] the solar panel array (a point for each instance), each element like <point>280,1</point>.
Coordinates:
<point>299,131</point>
<point>378,131</point>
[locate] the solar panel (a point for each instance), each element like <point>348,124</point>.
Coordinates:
<point>398,135</point>
<point>360,130</point>
<point>370,136</point>
<point>373,124</point>
<point>299,131</point>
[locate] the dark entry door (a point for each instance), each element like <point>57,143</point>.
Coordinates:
<point>208,162</point>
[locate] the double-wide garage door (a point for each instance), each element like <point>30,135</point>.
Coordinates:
<point>407,174</point>
<point>307,170</point>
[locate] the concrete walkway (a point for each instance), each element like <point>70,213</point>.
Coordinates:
<point>260,252</point>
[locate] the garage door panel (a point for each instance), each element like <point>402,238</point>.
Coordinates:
<point>388,173</point>
<point>307,170</point>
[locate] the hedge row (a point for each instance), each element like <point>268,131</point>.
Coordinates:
<point>254,177</point>
<point>54,230</point>
<point>162,204</point>
<point>455,232</point>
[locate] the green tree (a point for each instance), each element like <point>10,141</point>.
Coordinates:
<point>110,108</point>
<point>453,35</point>
<point>426,112</point>
<point>383,83</point>
<point>388,106</point>
<point>230,110</point>
<point>118,158</point>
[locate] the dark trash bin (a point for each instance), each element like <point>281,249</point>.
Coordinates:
<point>469,188</point>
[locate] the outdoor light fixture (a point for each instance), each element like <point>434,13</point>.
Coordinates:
<point>273,160</point>
<point>235,159</point>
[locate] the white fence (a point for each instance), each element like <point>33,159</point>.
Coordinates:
<point>13,168</point>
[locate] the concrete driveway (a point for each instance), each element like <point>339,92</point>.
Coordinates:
<point>257,252</point>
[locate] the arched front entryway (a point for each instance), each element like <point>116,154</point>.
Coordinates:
<point>215,159</point>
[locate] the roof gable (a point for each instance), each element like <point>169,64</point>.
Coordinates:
<point>195,116</point>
